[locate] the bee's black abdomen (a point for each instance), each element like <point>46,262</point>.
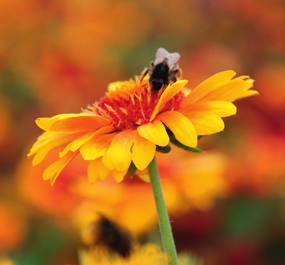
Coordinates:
<point>159,76</point>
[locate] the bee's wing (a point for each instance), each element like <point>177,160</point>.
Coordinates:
<point>161,53</point>
<point>173,57</point>
<point>172,60</point>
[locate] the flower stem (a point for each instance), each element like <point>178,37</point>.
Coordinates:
<point>165,228</point>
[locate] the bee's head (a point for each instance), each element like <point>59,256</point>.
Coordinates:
<point>157,83</point>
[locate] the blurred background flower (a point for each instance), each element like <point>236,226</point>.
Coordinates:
<point>226,205</point>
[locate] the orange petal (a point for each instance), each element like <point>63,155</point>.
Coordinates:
<point>207,86</point>
<point>119,152</point>
<point>77,143</point>
<point>74,145</point>
<point>97,169</point>
<point>167,94</point>
<point>75,122</point>
<point>154,132</point>
<point>219,108</point>
<point>143,152</point>
<point>97,147</point>
<point>206,124</point>
<point>46,123</point>
<point>55,169</point>
<point>181,127</point>
<point>51,140</point>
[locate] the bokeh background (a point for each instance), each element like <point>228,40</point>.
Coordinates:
<point>226,205</point>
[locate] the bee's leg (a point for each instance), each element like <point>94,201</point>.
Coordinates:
<point>144,73</point>
<point>172,77</point>
<point>179,73</point>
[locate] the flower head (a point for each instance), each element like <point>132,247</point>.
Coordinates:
<point>132,119</point>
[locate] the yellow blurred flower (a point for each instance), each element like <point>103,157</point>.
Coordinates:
<point>148,254</point>
<point>131,120</point>
<point>141,255</point>
<point>6,261</point>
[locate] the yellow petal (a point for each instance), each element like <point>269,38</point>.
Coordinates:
<point>181,127</point>
<point>207,86</point>
<point>143,152</point>
<point>144,177</point>
<point>206,124</point>
<point>97,169</point>
<point>119,152</point>
<point>235,89</point>
<point>167,94</point>
<point>154,132</point>
<point>54,169</point>
<point>107,163</point>
<point>44,123</point>
<point>119,175</point>
<point>219,108</point>
<point>247,94</point>
<point>40,156</point>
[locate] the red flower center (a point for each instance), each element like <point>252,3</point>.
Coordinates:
<point>132,104</point>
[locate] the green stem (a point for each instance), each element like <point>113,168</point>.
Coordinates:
<point>165,228</point>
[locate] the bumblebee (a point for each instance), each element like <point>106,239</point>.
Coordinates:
<point>164,70</point>
<point>110,236</point>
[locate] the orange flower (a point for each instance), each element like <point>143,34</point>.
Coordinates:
<point>12,228</point>
<point>187,185</point>
<point>132,119</point>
